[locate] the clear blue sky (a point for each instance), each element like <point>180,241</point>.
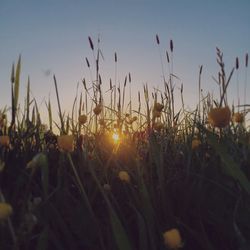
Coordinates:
<point>53,35</point>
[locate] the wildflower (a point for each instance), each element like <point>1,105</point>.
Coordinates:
<point>238,117</point>
<point>66,143</point>
<point>98,109</point>
<point>158,126</point>
<point>5,210</point>
<point>124,176</point>
<point>4,140</point>
<point>195,143</point>
<point>82,119</point>
<point>172,239</point>
<point>219,117</point>
<point>158,107</point>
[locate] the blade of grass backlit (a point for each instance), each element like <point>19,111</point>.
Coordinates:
<point>59,106</point>
<point>84,196</point>
<point>119,232</point>
<point>17,82</point>
<point>28,102</point>
<point>142,228</point>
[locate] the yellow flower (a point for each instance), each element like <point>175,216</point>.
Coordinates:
<point>238,117</point>
<point>172,239</point>
<point>82,119</point>
<point>66,142</point>
<point>124,176</point>
<point>219,117</point>
<point>98,109</point>
<point>158,126</point>
<point>158,107</point>
<point>5,210</point>
<point>196,143</point>
<point>4,140</point>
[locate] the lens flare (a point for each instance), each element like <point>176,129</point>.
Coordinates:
<point>115,137</point>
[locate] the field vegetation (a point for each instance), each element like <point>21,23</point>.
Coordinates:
<point>108,176</point>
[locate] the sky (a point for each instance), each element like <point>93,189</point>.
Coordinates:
<point>52,38</point>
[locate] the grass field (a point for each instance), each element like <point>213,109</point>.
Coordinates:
<point>108,176</point>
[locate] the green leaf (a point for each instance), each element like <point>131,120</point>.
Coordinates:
<point>142,228</point>
<point>120,235</point>
<point>230,167</point>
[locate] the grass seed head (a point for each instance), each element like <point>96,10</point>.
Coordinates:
<point>82,119</point>
<point>98,109</point>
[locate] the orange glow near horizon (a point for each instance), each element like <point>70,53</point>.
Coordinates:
<point>115,137</point>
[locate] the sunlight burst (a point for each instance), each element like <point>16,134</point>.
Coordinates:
<point>115,137</point>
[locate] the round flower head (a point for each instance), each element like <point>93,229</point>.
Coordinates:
<point>82,119</point>
<point>98,109</point>
<point>196,143</point>
<point>172,239</point>
<point>4,140</point>
<point>219,117</point>
<point>238,117</point>
<point>66,143</point>
<point>124,176</point>
<point>5,210</point>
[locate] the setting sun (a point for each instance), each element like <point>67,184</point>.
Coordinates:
<point>115,137</point>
